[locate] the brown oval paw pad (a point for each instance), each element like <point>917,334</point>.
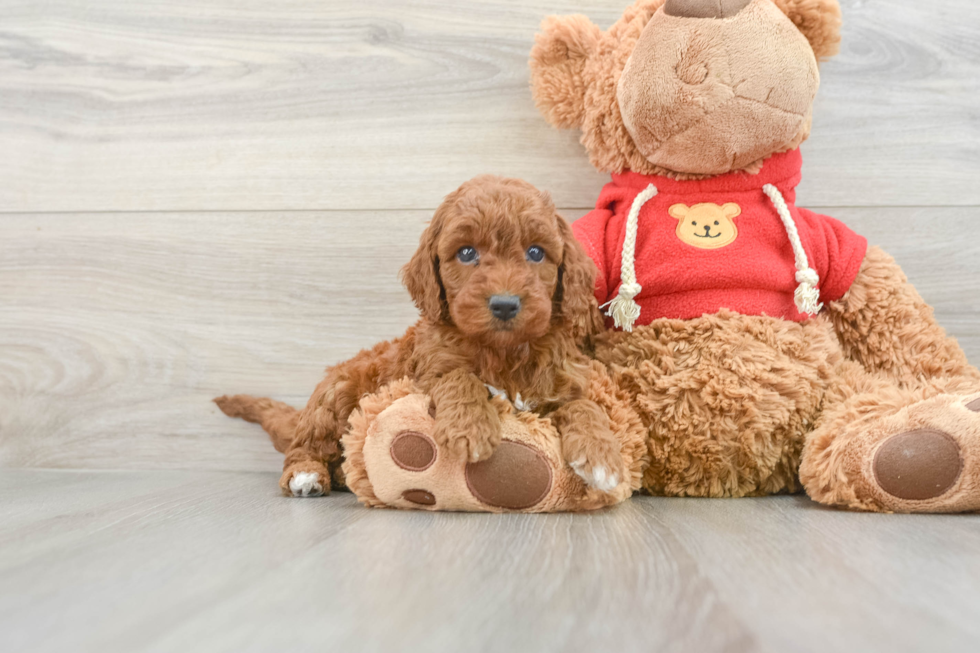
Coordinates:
<point>413,451</point>
<point>421,497</point>
<point>974,406</point>
<point>515,477</point>
<point>918,465</point>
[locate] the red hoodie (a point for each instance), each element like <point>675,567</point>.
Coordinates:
<point>717,243</point>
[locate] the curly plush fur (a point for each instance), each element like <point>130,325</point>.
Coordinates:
<point>459,345</point>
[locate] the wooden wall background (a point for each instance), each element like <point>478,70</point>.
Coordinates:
<point>204,196</point>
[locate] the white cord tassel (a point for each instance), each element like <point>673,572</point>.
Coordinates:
<point>623,309</point>
<point>807,296</point>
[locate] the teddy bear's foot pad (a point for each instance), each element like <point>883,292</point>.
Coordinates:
<point>419,497</point>
<point>930,462</point>
<point>413,451</point>
<point>918,465</point>
<point>515,477</point>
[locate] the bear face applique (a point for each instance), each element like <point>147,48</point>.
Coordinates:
<point>706,225</point>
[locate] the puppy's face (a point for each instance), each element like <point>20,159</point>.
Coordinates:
<point>494,263</point>
<point>499,268</point>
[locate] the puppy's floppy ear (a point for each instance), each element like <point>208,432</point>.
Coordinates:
<point>575,295</point>
<point>819,20</point>
<point>561,50</point>
<point>421,274</point>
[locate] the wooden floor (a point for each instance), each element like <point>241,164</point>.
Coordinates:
<point>217,561</point>
<point>210,196</point>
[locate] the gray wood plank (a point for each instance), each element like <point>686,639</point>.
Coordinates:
<point>110,105</point>
<point>128,325</point>
<point>851,581</point>
<point>206,561</point>
<point>116,330</point>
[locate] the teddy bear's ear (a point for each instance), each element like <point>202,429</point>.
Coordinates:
<point>561,50</point>
<point>678,211</point>
<point>819,20</point>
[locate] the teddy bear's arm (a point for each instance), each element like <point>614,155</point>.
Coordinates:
<point>884,324</point>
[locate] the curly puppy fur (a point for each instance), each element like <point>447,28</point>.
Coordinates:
<point>459,344</point>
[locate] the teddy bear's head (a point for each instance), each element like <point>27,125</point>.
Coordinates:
<point>687,88</point>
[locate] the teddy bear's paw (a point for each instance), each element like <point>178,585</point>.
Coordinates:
<point>515,477</point>
<point>408,463</point>
<point>308,479</point>
<point>933,464</point>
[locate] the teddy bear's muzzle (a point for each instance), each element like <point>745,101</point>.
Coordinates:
<point>707,97</point>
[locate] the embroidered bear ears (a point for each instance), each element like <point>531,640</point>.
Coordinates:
<point>686,87</point>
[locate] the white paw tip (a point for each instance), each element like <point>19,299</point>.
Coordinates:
<point>600,478</point>
<point>305,484</point>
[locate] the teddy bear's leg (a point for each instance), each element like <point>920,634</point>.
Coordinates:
<point>884,447</point>
<point>903,431</point>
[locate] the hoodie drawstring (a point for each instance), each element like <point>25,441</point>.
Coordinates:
<point>807,297</point>
<point>623,309</point>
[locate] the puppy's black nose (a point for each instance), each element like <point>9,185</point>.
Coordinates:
<point>505,307</point>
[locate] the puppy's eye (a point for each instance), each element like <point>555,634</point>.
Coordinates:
<point>695,223</point>
<point>467,255</point>
<point>534,254</point>
<point>716,223</point>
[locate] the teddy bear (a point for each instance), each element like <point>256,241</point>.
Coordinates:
<point>767,348</point>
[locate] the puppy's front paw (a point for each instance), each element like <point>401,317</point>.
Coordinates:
<point>473,442</point>
<point>597,462</point>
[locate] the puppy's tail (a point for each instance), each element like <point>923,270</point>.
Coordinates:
<point>278,419</point>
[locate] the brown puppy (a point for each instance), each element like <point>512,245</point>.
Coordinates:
<point>506,296</point>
